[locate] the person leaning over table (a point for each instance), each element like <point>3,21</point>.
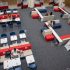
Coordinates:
<point>16,53</point>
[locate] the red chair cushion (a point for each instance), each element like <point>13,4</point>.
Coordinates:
<point>4,17</point>
<point>35,16</point>
<point>25,47</point>
<point>56,9</point>
<point>49,37</point>
<point>65,36</point>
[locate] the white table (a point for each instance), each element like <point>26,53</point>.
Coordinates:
<point>56,21</point>
<point>13,37</point>
<point>23,35</point>
<point>27,52</point>
<point>15,11</point>
<point>3,40</point>
<point>8,11</point>
<point>1,13</point>
<point>30,59</point>
<point>9,63</point>
<point>67,46</point>
<point>17,19</point>
<point>5,20</point>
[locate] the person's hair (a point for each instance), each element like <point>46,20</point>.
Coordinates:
<point>14,49</point>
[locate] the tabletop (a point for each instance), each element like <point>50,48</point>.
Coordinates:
<point>17,19</point>
<point>27,52</point>
<point>22,35</point>
<point>30,59</point>
<point>3,40</point>
<point>13,37</point>
<point>67,46</point>
<point>9,63</point>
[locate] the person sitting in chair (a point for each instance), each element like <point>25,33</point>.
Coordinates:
<point>15,53</point>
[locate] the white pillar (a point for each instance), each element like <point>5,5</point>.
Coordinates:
<point>31,3</point>
<point>61,4</point>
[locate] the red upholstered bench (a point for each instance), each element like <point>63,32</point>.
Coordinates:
<point>0,16</point>
<point>49,37</point>
<point>65,37</point>
<point>20,47</point>
<point>56,4</point>
<point>2,51</point>
<point>3,7</point>
<point>15,15</point>
<point>37,5</point>
<point>24,47</point>
<point>4,17</point>
<point>25,6</point>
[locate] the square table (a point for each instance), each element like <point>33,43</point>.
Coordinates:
<point>15,11</point>
<point>30,59</point>
<point>27,52</point>
<point>13,37</point>
<point>22,35</point>
<point>9,63</point>
<point>67,46</point>
<point>3,40</point>
<point>17,19</point>
<point>8,12</point>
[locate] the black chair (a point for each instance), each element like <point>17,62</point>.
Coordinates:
<point>3,35</point>
<point>18,23</point>
<point>21,31</point>
<point>8,54</point>
<point>10,24</point>
<point>33,66</point>
<point>3,25</point>
<point>12,33</point>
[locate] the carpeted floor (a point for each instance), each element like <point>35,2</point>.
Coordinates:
<point>47,56</point>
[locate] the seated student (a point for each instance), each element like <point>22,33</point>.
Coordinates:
<point>14,53</point>
<point>8,54</point>
<point>51,13</point>
<point>5,12</point>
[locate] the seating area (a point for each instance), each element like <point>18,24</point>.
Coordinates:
<point>9,17</point>
<point>34,35</point>
<point>18,41</point>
